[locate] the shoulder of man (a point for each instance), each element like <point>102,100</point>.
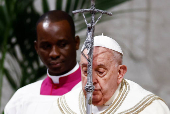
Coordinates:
<point>20,95</point>
<point>142,101</point>
<point>30,88</point>
<point>158,106</point>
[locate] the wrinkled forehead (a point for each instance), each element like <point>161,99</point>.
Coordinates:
<point>98,51</point>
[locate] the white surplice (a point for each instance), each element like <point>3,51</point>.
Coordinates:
<point>27,100</point>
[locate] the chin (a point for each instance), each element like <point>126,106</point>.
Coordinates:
<point>97,101</point>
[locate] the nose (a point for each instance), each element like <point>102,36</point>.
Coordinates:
<point>94,80</point>
<point>54,53</point>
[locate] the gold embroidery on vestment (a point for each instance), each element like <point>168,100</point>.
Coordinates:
<point>63,106</point>
<point>124,89</point>
<point>146,101</point>
<point>58,100</point>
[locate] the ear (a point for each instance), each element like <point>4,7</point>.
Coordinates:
<point>122,69</point>
<point>36,46</point>
<point>77,41</point>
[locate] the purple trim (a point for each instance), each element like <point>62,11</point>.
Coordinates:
<point>65,85</point>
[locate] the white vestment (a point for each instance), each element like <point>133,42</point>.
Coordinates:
<point>129,98</point>
<point>27,100</point>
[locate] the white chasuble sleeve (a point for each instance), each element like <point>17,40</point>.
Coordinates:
<point>156,107</point>
<point>15,104</point>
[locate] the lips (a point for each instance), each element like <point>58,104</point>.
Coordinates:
<point>56,63</point>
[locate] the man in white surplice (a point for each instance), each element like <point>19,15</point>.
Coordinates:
<point>112,94</point>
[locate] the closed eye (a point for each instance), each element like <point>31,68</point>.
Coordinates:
<point>101,72</point>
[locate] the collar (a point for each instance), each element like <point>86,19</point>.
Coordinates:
<point>55,79</point>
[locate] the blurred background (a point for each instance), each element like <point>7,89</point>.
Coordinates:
<point>141,27</point>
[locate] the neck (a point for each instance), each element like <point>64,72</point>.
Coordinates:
<point>55,78</point>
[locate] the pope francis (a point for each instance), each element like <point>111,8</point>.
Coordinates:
<point>112,94</point>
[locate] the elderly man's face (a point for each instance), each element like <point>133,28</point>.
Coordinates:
<point>106,75</point>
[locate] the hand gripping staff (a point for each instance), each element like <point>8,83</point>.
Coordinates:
<point>88,44</point>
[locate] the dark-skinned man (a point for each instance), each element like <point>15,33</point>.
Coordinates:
<point>56,46</point>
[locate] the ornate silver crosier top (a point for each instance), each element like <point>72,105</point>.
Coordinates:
<point>88,44</point>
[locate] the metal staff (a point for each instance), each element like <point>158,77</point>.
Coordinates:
<point>88,44</point>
